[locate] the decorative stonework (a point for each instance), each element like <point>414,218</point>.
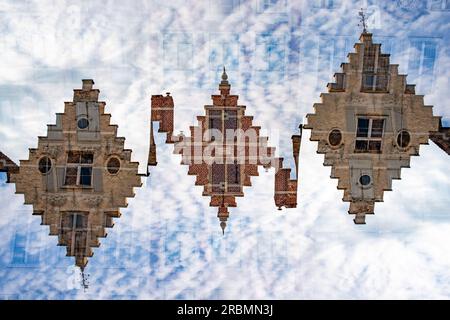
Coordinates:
<point>382,123</point>
<point>56,200</point>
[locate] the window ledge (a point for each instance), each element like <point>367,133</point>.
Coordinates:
<point>374,91</point>
<point>76,187</point>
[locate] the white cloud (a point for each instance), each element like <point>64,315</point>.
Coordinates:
<point>168,243</point>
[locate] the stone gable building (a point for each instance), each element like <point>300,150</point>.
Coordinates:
<point>368,125</point>
<point>79,176</point>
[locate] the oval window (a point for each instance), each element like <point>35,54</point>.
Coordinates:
<point>365,180</point>
<point>335,137</point>
<point>113,165</point>
<point>83,123</point>
<point>45,164</point>
<point>403,139</point>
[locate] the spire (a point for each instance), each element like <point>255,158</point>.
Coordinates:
<point>84,279</point>
<point>362,20</point>
<point>223,217</point>
<point>224,76</point>
<point>224,85</point>
<point>223,225</point>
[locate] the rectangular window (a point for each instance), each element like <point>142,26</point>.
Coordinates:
<point>230,123</point>
<point>19,253</point>
<point>75,221</point>
<point>215,123</point>
<point>218,177</point>
<point>363,128</point>
<point>369,135</point>
<point>375,75</point>
<point>79,169</point>
<point>233,177</point>
<point>369,80</point>
<point>73,232</point>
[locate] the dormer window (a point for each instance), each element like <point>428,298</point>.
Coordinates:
<point>369,135</point>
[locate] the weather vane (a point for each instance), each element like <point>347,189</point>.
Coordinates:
<point>84,280</point>
<point>362,19</point>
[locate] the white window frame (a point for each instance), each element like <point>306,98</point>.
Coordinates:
<point>74,230</point>
<point>369,137</point>
<point>78,166</point>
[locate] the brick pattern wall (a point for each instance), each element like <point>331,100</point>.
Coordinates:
<point>211,175</point>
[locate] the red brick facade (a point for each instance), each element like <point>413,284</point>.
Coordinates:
<point>225,170</point>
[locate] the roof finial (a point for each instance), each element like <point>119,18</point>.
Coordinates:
<point>223,225</point>
<point>224,75</point>
<point>224,85</point>
<point>84,279</point>
<point>362,19</point>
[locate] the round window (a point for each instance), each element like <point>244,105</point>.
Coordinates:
<point>335,137</point>
<point>113,165</point>
<point>365,179</point>
<point>83,123</point>
<point>45,164</point>
<point>403,139</point>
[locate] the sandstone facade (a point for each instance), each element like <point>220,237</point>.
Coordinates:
<point>79,175</point>
<point>368,125</point>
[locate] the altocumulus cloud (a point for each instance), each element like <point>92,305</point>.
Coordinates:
<point>168,244</point>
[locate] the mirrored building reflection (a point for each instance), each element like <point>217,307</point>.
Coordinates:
<point>225,150</point>
<point>423,52</point>
<point>79,176</point>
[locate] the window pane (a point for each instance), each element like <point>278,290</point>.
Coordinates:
<point>45,164</point>
<point>361,146</point>
<point>218,177</point>
<point>382,83</point>
<point>215,121</point>
<point>369,64</point>
<point>335,137</point>
<point>71,176</point>
<point>113,165</point>
<point>67,221</point>
<point>230,121</point>
<point>403,139</point>
<point>363,127</point>
<point>377,128</point>
<point>81,221</point>
<point>368,80</point>
<point>85,176</point>
<point>233,178</point>
<point>19,256</point>
<point>73,157</point>
<point>87,157</point>
<point>375,146</point>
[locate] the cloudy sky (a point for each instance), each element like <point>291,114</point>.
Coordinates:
<point>279,56</point>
